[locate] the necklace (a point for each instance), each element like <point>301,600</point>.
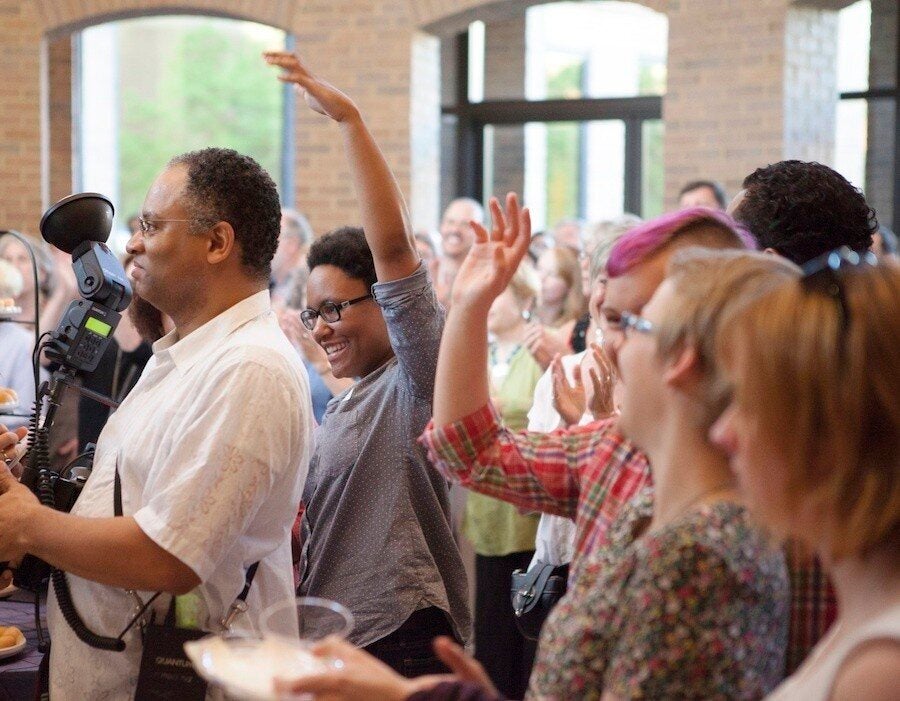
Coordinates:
<point>499,366</point>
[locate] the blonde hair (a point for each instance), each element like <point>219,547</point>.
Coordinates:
<point>710,286</point>
<point>566,266</point>
<point>525,283</point>
<point>602,237</point>
<point>824,393</point>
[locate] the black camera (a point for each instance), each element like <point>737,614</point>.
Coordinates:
<point>80,225</point>
<point>65,486</point>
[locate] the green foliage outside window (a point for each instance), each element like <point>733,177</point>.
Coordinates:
<point>564,144</point>
<point>211,89</point>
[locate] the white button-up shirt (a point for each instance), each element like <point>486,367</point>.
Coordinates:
<point>212,447</point>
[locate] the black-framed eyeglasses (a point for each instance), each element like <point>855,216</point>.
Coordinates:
<point>633,322</point>
<point>329,311</point>
<point>821,275</point>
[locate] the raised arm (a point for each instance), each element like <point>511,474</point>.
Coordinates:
<point>384,216</point>
<point>462,373</point>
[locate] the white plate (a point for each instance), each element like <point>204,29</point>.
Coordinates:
<point>10,312</point>
<point>14,650</point>
<point>9,406</point>
<point>246,668</point>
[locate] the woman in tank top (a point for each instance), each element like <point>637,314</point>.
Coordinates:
<point>813,432</point>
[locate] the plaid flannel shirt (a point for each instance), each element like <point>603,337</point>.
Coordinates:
<point>588,473</point>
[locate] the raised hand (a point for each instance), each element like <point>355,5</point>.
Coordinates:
<point>320,95</point>
<point>495,256</point>
<point>568,398</point>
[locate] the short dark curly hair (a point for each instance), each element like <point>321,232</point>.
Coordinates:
<point>803,209</point>
<point>345,248</point>
<point>224,185</point>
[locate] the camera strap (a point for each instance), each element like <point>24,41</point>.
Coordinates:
<point>165,670</point>
<point>237,608</point>
<point>117,493</point>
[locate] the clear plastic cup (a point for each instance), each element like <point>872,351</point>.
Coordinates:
<point>316,618</point>
<point>244,669</point>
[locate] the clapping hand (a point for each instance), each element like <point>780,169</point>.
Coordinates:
<point>568,398</point>
<point>494,257</point>
<point>544,344</point>
<point>603,381</point>
<point>320,95</point>
<point>301,338</point>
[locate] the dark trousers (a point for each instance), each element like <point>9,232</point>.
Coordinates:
<point>507,656</point>
<point>408,649</point>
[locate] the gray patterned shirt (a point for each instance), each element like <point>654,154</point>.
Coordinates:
<point>377,527</point>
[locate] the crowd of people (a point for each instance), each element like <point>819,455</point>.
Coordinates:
<point>691,423</point>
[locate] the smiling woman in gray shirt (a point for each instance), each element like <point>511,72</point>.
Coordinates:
<point>377,527</point>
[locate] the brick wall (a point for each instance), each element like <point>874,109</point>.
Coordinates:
<point>20,109</point>
<point>882,131</point>
<point>748,83</point>
<point>810,84</point>
<point>365,47</point>
<point>723,105</point>
<point>504,70</point>
<point>59,140</point>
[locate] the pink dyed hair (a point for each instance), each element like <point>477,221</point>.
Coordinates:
<point>648,238</point>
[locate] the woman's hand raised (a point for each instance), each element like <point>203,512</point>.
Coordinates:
<point>494,257</point>
<point>320,95</point>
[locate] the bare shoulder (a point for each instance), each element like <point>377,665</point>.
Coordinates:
<point>871,672</point>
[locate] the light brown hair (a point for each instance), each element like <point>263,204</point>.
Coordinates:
<point>566,266</point>
<point>525,284</point>
<point>710,286</point>
<point>825,396</point>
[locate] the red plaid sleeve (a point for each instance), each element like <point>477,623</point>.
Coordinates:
<point>568,472</point>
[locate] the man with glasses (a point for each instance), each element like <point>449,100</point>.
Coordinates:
<point>377,529</point>
<point>207,454</point>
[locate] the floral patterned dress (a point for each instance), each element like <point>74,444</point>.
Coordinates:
<point>695,610</point>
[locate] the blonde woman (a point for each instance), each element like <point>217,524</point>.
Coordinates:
<point>561,303</point>
<point>813,434</point>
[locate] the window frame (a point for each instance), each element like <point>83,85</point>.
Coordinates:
<point>887,93</point>
<point>470,118</point>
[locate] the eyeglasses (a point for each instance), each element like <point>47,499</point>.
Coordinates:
<point>149,225</point>
<point>329,311</point>
<point>633,322</point>
<point>821,275</point>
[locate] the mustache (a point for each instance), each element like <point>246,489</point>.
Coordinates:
<point>147,319</point>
